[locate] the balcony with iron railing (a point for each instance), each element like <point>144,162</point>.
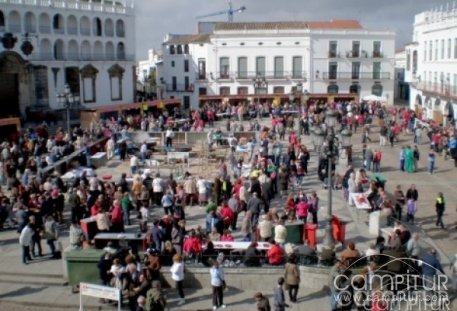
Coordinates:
<point>356,75</point>
<point>377,54</point>
<point>14,28</point>
<point>353,54</point>
<point>438,89</point>
<point>75,56</point>
<point>333,54</point>
<point>180,88</point>
<point>268,75</point>
<point>201,76</point>
<point>114,6</point>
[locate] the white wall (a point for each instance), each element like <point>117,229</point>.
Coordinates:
<point>312,46</point>
<point>72,57</point>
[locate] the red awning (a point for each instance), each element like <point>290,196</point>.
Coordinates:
<point>156,103</point>
<point>242,97</point>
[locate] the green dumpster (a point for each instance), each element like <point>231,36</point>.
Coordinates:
<point>82,265</point>
<point>294,232</point>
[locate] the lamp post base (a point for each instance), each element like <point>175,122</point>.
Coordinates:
<point>329,242</point>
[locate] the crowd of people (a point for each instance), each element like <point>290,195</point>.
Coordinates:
<point>237,200</point>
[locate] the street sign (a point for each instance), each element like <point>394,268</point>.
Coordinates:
<point>98,291</point>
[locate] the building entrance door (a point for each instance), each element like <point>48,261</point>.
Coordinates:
<point>9,95</point>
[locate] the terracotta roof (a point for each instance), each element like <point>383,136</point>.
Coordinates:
<point>336,24</point>
<point>332,24</point>
<point>186,39</point>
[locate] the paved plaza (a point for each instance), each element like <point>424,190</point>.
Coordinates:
<point>40,286</point>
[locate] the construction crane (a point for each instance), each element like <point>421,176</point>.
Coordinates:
<point>229,12</point>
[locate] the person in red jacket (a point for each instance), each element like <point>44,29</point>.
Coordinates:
<point>275,254</point>
<point>117,218</point>
<point>226,215</point>
<point>227,236</point>
<point>192,245</point>
<point>290,205</point>
<point>302,210</point>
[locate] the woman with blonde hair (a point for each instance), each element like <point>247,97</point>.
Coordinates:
<point>177,274</point>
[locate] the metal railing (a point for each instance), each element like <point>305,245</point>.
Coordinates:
<point>356,75</point>
<point>72,30</point>
<point>179,87</point>
<point>30,28</point>
<point>353,54</point>
<point>44,29</point>
<point>59,31</point>
<point>118,7</point>
<point>14,28</point>
<point>269,75</point>
<point>439,89</point>
<point>75,56</point>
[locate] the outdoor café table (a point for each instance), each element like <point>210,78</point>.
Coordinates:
<point>133,239</point>
<point>360,201</point>
<point>240,246</point>
<point>290,111</point>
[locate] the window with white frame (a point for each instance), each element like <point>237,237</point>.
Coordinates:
<point>279,67</point>
<point>224,67</point>
<point>425,51</point>
<point>297,67</point>
<point>443,50</point>
<point>430,54</point>
<point>242,67</point>
<point>260,66</point>
<point>436,49</point>
<point>455,48</point>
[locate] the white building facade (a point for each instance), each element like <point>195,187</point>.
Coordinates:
<point>46,45</point>
<point>146,71</point>
<point>337,58</point>
<point>431,65</point>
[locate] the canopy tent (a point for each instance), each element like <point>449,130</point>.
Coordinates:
<point>374,98</point>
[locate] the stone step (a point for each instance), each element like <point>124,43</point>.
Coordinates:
<point>32,279</point>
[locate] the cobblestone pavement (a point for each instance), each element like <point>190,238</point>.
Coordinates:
<point>17,295</point>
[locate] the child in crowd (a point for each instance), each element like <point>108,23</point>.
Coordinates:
<point>411,206</point>
<point>144,213</point>
<point>431,161</point>
<point>116,271</point>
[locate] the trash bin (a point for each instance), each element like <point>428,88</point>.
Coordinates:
<point>89,227</point>
<point>294,232</point>
<point>82,265</point>
<point>339,229</point>
<point>309,234</point>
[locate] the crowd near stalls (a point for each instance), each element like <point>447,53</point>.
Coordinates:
<point>252,203</point>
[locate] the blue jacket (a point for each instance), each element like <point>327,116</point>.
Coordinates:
<point>431,265</point>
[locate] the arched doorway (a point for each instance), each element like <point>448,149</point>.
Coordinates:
<point>428,107</point>
<point>15,86</point>
<point>354,88</point>
<point>332,89</point>
<point>418,108</point>
<point>448,113</point>
<point>376,89</point>
<point>418,100</point>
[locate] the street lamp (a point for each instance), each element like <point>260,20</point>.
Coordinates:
<point>66,99</point>
<point>318,136</point>
<point>260,85</point>
<point>331,118</point>
<point>331,152</point>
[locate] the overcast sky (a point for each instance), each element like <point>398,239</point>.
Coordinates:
<point>155,18</point>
